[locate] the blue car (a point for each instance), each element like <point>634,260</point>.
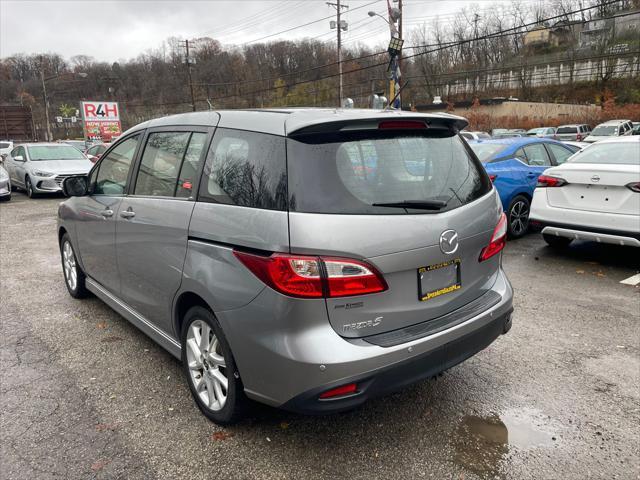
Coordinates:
<point>514,165</point>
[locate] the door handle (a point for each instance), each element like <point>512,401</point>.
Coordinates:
<point>107,213</point>
<point>531,175</point>
<point>128,214</point>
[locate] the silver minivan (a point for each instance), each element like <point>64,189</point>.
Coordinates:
<point>309,259</point>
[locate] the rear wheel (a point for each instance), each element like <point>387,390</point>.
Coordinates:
<point>210,368</point>
<point>556,242</point>
<point>518,216</point>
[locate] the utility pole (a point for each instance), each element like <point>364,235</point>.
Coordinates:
<point>339,26</point>
<point>46,101</point>
<point>188,59</point>
<point>400,34</point>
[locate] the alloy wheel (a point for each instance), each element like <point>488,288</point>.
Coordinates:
<point>70,267</point>
<point>519,217</point>
<point>207,366</point>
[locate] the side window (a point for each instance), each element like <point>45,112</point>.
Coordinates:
<point>560,153</point>
<point>114,168</point>
<point>161,162</point>
<point>189,169</point>
<point>520,155</point>
<point>537,155</point>
<point>247,169</point>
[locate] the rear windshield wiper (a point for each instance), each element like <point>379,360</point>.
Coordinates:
<point>418,204</point>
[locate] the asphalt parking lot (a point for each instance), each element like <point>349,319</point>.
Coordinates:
<point>86,395</point>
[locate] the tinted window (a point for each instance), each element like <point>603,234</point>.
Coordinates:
<point>560,153</point>
<point>537,155</point>
<point>347,172</point>
<point>611,153</point>
<point>4,145</point>
<point>161,162</point>
<point>604,130</point>
<point>520,155</point>
<point>567,130</point>
<point>114,168</point>
<point>247,169</point>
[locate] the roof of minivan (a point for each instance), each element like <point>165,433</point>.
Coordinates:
<point>614,122</point>
<point>283,121</point>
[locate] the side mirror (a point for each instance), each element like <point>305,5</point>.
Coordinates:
<point>19,158</point>
<point>77,186</point>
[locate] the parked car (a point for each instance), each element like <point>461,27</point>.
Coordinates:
<point>509,135</point>
<point>94,152</point>
<point>513,164</point>
<point>573,133</point>
<point>636,128</point>
<point>79,144</point>
<point>41,167</point>
<point>475,135</point>
<point>284,273</point>
<point>594,196</point>
<point>543,132</point>
<point>5,147</point>
<point>612,128</point>
<point>5,184</point>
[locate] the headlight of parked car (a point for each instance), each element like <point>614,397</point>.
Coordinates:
<point>40,173</point>
<point>3,175</point>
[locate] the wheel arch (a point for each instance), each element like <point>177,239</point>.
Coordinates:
<point>184,301</point>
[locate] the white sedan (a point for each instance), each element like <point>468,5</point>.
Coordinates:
<point>594,195</point>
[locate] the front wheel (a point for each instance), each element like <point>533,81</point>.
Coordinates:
<point>210,368</point>
<point>518,217</point>
<point>29,188</point>
<point>74,277</point>
<point>556,242</point>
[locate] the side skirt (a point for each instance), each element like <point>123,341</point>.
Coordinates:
<point>162,338</point>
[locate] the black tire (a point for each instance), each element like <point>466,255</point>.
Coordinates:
<point>80,288</point>
<point>29,188</point>
<point>557,242</point>
<point>518,217</point>
<point>236,402</point>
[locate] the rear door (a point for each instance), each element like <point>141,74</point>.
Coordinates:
<point>152,223</point>
<point>337,181</point>
<point>598,178</point>
<point>538,161</point>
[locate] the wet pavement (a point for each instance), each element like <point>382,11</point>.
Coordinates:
<point>83,394</point>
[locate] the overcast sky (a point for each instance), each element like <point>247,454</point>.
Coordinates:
<point>122,29</point>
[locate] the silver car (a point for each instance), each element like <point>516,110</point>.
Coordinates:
<point>542,132</point>
<point>41,167</point>
<point>5,184</point>
<point>308,259</point>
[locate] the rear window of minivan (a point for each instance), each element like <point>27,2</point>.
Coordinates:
<point>348,172</point>
<point>567,130</point>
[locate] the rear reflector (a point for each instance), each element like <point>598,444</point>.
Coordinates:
<point>498,240</point>
<point>314,277</point>
<point>546,181</point>
<point>341,391</point>
<point>402,124</point>
<point>493,177</point>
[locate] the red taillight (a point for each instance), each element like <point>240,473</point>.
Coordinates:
<point>403,124</point>
<point>498,240</point>
<point>547,181</point>
<point>493,177</point>
<point>314,277</point>
<point>634,186</point>
<point>341,391</point>
<point>578,138</point>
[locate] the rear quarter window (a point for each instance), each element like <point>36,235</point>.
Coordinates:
<point>246,169</point>
<point>346,173</point>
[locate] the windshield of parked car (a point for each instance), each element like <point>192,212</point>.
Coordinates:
<point>604,130</point>
<point>535,131</point>
<point>567,130</point>
<point>54,152</point>
<point>486,151</point>
<point>356,172</point>
<point>612,153</point>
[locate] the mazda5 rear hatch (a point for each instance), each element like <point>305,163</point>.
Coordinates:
<point>401,206</point>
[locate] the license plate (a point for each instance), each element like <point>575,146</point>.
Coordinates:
<point>439,279</point>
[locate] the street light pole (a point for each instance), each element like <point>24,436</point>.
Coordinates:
<point>46,103</point>
<point>339,26</point>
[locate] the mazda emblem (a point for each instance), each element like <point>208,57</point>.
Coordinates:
<point>449,242</point>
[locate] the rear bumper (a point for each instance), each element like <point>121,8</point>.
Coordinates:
<point>287,353</point>
<point>390,379</point>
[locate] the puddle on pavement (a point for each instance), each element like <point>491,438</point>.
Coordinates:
<point>481,443</point>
